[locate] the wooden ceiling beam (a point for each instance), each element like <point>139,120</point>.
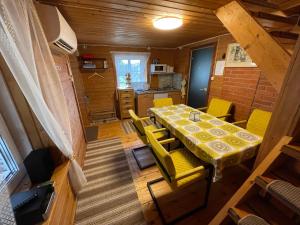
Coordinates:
<point>266,52</point>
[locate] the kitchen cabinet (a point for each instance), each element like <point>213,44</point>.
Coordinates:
<point>144,102</point>
<point>176,96</point>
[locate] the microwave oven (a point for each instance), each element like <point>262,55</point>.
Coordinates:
<point>158,68</point>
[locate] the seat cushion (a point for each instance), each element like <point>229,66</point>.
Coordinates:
<point>252,220</point>
<point>286,192</point>
<point>184,161</point>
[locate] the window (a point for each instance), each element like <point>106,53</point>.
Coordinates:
<point>11,164</point>
<point>8,165</point>
<point>134,63</point>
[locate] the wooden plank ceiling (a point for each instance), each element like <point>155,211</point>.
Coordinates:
<point>129,22</point>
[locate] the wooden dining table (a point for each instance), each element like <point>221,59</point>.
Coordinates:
<point>211,139</point>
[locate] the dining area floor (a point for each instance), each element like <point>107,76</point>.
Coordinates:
<point>173,204</point>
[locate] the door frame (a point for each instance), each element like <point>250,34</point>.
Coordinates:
<point>212,44</point>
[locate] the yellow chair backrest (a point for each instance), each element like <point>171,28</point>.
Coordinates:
<point>219,107</point>
<point>258,122</point>
<point>137,122</point>
<point>161,154</point>
<point>161,102</point>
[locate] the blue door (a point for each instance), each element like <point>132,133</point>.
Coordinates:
<point>201,63</point>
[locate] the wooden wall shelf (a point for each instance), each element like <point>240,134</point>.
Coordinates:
<point>99,64</point>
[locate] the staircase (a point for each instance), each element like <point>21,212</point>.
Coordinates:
<point>280,21</point>
<point>284,29</point>
<point>271,195</point>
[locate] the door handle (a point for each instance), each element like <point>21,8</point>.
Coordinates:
<point>203,89</point>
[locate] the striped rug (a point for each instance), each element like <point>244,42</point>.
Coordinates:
<point>110,196</point>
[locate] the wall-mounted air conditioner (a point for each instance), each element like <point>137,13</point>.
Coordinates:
<point>57,30</point>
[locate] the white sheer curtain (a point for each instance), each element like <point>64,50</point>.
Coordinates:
<point>25,49</point>
<point>134,63</point>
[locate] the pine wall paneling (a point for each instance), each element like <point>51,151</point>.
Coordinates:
<point>101,92</point>
<point>79,144</point>
<point>79,88</point>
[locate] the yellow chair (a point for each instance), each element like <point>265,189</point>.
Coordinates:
<point>141,128</point>
<point>179,168</point>
<point>258,122</point>
<point>219,108</point>
<point>161,102</point>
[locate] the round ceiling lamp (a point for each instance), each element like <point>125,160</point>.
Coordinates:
<point>167,23</point>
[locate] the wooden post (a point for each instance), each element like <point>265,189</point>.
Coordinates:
<point>286,116</point>
<point>266,52</point>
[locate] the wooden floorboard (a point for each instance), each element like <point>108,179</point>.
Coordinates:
<point>173,203</point>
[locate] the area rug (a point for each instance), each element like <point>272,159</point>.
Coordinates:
<point>110,196</point>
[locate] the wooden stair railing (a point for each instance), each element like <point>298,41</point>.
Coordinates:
<point>259,197</point>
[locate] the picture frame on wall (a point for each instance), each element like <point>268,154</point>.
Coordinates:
<point>236,56</point>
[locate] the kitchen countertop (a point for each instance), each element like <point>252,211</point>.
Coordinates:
<point>154,91</point>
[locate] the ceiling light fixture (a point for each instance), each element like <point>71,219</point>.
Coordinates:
<point>167,23</point>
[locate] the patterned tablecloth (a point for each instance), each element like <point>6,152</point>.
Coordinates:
<point>212,140</point>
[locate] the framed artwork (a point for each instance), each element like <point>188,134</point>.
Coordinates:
<point>236,56</point>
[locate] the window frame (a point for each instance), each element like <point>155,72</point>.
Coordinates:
<point>14,179</point>
<point>143,56</point>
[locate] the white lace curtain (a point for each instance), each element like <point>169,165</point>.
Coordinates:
<point>24,47</point>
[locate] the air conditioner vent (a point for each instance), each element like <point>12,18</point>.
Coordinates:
<point>62,43</point>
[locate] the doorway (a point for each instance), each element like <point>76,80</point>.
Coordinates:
<point>201,63</point>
